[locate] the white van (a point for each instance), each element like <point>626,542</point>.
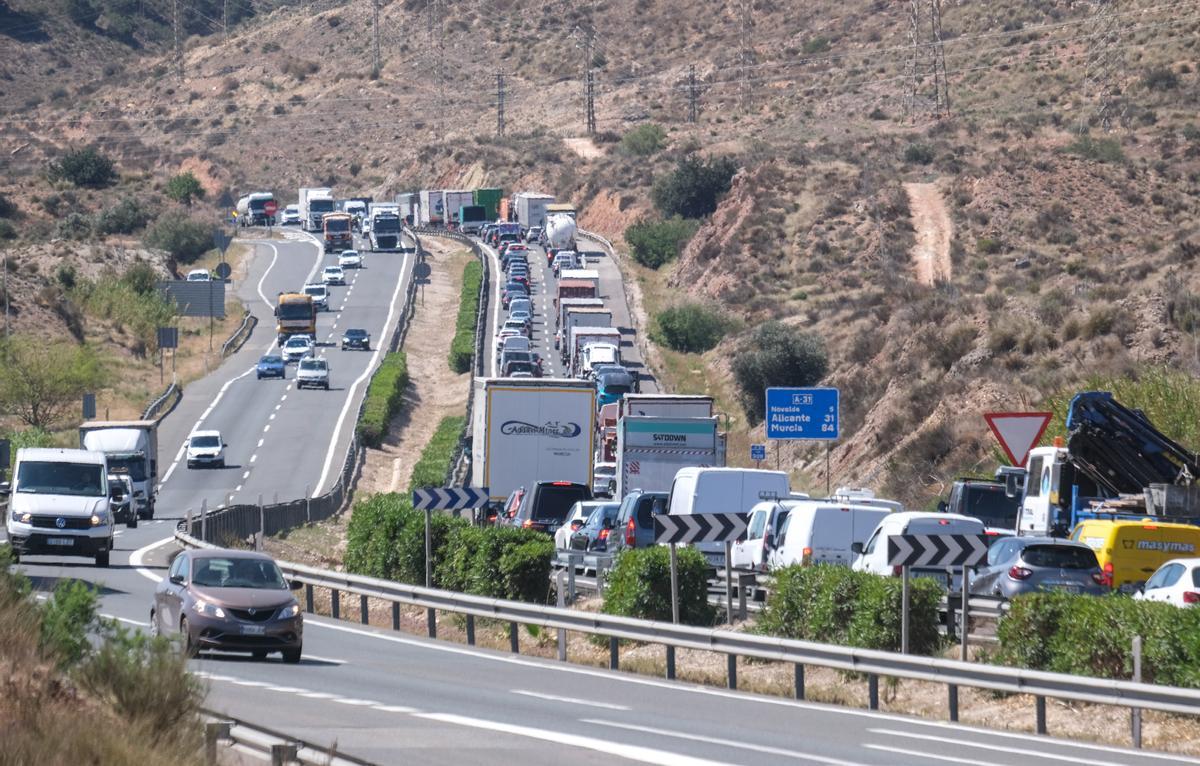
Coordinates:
<point>59,504</point>
<point>767,519</point>
<point>874,555</point>
<point>823,532</point>
<point>722,490</point>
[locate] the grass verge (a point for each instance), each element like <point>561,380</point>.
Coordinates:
<point>462,348</point>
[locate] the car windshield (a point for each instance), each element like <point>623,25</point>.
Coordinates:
<point>991,506</point>
<point>259,574</point>
<point>356,333</point>
<point>205,441</point>
<point>332,270</point>
<point>116,489</point>
<point>515,367</point>
<point>295,311</point>
<point>315,290</point>
<point>320,206</point>
<point>133,465</point>
<point>312,364</point>
<point>271,360</point>
<point>296,343</point>
<point>337,224</point>
<point>349,254</point>
<point>1059,557</point>
<point>53,478</point>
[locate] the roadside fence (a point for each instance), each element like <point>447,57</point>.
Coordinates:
<point>240,335</point>
<point>276,747</point>
<point>164,404</point>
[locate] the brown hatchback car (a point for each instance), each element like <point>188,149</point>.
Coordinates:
<point>229,600</point>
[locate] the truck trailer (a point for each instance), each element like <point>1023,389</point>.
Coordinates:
<point>651,450</point>
<point>315,202</point>
<point>131,448</point>
<point>455,200</point>
<point>251,209</point>
<point>531,208</point>
<point>432,207</point>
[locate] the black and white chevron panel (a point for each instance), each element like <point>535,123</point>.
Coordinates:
<point>937,550</point>
<point>700,527</point>
<point>449,498</point>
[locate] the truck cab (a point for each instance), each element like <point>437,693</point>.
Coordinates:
<point>295,314</point>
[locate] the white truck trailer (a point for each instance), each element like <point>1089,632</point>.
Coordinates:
<point>131,448</point>
<point>531,208</point>
<point>651,450</point>
<point>433,207</point>
<point>455,200</point>
<point>528,430</point>
<point>315,202</point>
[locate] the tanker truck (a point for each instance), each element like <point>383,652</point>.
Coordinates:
<point>560,233</point>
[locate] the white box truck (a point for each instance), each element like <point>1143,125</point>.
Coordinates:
<point>651,450</point>
<point>131,447</point>
<point>433,207</point>
<point>315,202</point>
<point>582,316</point>
<point>531,208</point>
<point>528,430</point>
<point>455,200</point>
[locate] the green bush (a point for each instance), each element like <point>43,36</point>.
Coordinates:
<point>410,545</point>
<point>431,470</point>
<point>832,604</point>
<point>497,562</point>
<point>816,45</point>
<point>184,238</point>
<point>385,395</point>
<point>640,585</point>
<point>67,618</point>
<point>1106,150</point>
<point>8,208</point>
<point>125,217</point>
<point>653,243</point>
<point>1160,78</point>
<point>7,230</point>
<point>644,140</point>
<point>919,154</point>
<point>371,534</point>
<point>122,301</point>
<point>73,225</point>
<point>462,348</point>
<point>690,327</point>
<point>777,355</point>
<point>693,188</point>
<point>87,167</point>
<point>185,188</point>
<point>525,570</point>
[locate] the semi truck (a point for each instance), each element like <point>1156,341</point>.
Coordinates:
<point>251,209</point>
<point>432,207</point>
<point>489,200</point>
<point>131,448</point>
<point>560,232</point>
<point>295,314</point>
<point>315,202</point>
<point>666,406</point>
<point>532,429</point>
<point>357,208</point>
<point>385,227</point>
<point>531,208</point>
<point>582,316</point>
<point>651,450</point>
<point>408,203</point>
<point>471,218</point>
<point>455,200</point>
<point>338,232</point>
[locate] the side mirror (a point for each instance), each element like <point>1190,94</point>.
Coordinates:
<point>943,506</point>
<point>177,579</point>
<point>1012,486</point>
<point>5,488</point>
<point>295,584</point>
<point>856,547</point>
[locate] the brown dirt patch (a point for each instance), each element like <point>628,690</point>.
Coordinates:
<point>931,220</point>
<point>584,147</point>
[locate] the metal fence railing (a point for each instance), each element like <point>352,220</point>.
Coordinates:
<point>268,744</point>
<point>165,403</point>
<point>240,335</point>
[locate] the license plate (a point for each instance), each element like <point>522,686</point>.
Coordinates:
<point>1067,587</point>
<point>716,559</point>
<point>253,630</point>
<point>64,541</point>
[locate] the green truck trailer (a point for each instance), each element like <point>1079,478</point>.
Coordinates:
<point>489,200</point>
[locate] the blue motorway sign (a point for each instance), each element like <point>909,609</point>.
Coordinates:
<point>802,413</point>
<point>758,452</point>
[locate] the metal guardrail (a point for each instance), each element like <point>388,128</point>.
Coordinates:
<point>164,404</point>
<point>871,663</point>
<point>276,746</point>
<point>239,337</point>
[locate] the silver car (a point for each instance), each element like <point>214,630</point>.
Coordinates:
<point>1019,565</point>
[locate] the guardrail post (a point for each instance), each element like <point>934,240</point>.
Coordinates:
<point>872,691</point>
<point>307,504</point>
<point>670,663</point>
<point>470,630</point>
<point>431,622</point>
<point>513,639</point>
<point>799,670</point>
<point>601,570</point>
<point>281,755</point>
<point>335,606</point>
<point>614,653</point>
<point>262,525</point>
<point>571,559</point>
<point>214,731</point>
<point>1040,708</point>
<point>189,529</point>
<point>952,691</point>
<point>204,520</point>
<point>1135,714</point>
<point>559,578</point>
<point>731,671</point>
<point>395,615</point>
<point>308,597</point>
<point>744,582</point>
<point>364,615</point>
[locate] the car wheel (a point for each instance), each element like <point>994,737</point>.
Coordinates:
<point>259,376</point>
<point>189,646</point>
<point>326,386</point>
<point>133,520</point>
<point>190,464</point>
<point>221,463</point>
<point>102,559</point>
<point>292,656</point>
<point>259,655</point>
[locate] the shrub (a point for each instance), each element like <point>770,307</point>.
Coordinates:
<point>7,230</point>
<point>409,559</point>
<point>433,467</point>
<point>126,303</point>
<point>777,355</point>
<point>690,327</point>
<point>640,586</point>
<point>184,188</point>
<point>644,140</point>
<point>694,187</point>
<point>497,562</point>
<point>125,217</point>
<point>1160,78</point>
<point>919,154</point>
<point>653,243</point>
<point>462,348</point>
<point>184,238</point>
<point>954,345</point>
<point>74,225</point>
<point>525,570</point>
<point>988,245</point>
<point>832,604</point>
<point>384,398</point>
<point>87,167</point>
<point>371,534</point>
<point>816,45</point>
<point>66,620</point>
<point>1097,149</point>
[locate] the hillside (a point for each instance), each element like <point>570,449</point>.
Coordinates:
<point>1069,245</point>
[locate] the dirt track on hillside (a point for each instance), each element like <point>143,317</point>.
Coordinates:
<point>931,221</point>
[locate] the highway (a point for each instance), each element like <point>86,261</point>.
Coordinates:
<point>393,698</point>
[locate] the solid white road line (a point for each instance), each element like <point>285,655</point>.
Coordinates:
<point>569,700</point>
<point>137,558</point>
<point>630,752</point>
<point>730,743</point>
<point>962,742</point>
<point>922,755</point>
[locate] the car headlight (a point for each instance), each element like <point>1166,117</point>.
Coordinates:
<point>22,517</point>
<point>289,611</point>
<point>99,519</point>
<point>210,610</point>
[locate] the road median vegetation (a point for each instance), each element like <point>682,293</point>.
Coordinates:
<point>462,348</point>
<point>640,586</point>
<point>431,470</point>
<point>385,395</point>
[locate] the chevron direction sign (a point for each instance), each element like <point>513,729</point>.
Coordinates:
<point>700,527</point>
<point>449,498</point>
<point>937,550</point>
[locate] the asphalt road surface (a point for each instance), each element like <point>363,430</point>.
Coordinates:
<point>392,698</point>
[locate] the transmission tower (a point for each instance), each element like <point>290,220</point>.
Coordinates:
<point>176,25</point>
<point>587,41</point>
<point>499,103</point>
<point>746,52</point>
<point>1102,69</point>
<point>926,69</point>
<point>693,93</point>
<point>225,21</point>
<point>376,63</point>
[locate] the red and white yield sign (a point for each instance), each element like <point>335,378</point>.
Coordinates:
<point>1018,432</point>
<point>270,206</point>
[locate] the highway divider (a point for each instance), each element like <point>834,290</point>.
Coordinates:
<point>165,404</point>
<point>385,395</point>
<point>462,348</point>
<point>239,337</point>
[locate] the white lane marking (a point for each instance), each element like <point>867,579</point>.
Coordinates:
<point>263,278</point>
<point>245,476</point>
<point>272,416</point>
<point>920,754</point>
<point>254,457</point>
<point>730,743</point>
<point>357,703</point>
<point>283,398</point>
<point>200,422</point>
<point>238,488</point>
<point>396,709</point>
<point>318,695</point>
<point>266,428</point>
<point>631,752</point>
<point>960,742</point>
<point>337,432</point>
<point>137,558</point>
<point>329,660</point>
<point>260,442</point>
<point>289,387</point>
<point>126,620</point>
<point>569,700</point>
<point>286,689</point>
<point>255,684</point>
<point>277,406</point>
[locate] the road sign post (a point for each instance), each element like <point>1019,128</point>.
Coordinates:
<point>936,552</point>
<point>443,498</point>
<point>699,528</point>
<point>758,453</point>
<point>904,609</point>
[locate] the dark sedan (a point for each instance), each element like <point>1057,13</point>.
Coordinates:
<point>229,600</point>
<point>356,338</point>
<point>271,366</point>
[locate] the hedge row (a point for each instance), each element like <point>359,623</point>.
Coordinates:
<point>1093,636</point>
<point>386,539</point>
<point>384,397</point>
<point>640,585</point>
<point>835,605</point>
<point>462,348</point>
<point>434,465</point>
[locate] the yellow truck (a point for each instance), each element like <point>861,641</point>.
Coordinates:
<point>339,232</point>
<point>1130,551</point>
<point>295,314</point>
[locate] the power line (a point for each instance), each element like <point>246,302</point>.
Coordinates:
<point>1100,69</point>
<point>693,93</point>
